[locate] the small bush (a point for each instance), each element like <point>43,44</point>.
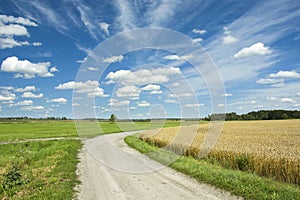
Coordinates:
<point>11,179</point>
<point>242,162</point>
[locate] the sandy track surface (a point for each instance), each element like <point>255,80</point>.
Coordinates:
<point>110,170</point>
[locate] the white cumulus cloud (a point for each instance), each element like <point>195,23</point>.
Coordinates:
<point>11,27</point>
<point>257,49</point>
<point>9,42</point>
<point>128,91</point>
<point>151,87</point>
<point>116,103</point>
<point>26,89</point>
<point>176,57</point>
<point>194,105</point>
<point>24,103</point>
<point>286,100</point>
<point>25,68</point>
<point>171,101</point>
<point>32,95</point>
<point>91,88</point>
<point>227,95</point>
<point>142,76</point>
<point>113,59</point>
<point>59,100</point>
<point>33,108</point>
<point>285,74</point>
<point>201,32</point>
<point>7,96</point>
<point>36,44</point>
<point>92,68</point>
<point>7,87</point>
<point>156,92</point>
<point>229,39</point>
<point>5,19</point>
<point>53,69</point>
<point>269,81</point>
<point>143,104</point>
<point>196,40</point>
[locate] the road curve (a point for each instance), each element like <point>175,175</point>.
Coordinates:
<point>110,170</point>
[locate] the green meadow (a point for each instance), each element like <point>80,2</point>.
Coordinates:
<point>47,169</point>
<point>33,129</point>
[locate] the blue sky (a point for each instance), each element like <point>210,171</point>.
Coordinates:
<point>44,46</point>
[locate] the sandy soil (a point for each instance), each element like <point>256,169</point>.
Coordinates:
<point>109,170</point>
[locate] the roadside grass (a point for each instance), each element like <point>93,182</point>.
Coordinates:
<point>249,186</point>
<point>39,170</point>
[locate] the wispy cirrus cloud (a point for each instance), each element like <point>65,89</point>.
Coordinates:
<point>68,17</point>
<point>155,13</point>
<point>104,26</point>
<point>90,22</point>
<point>127,19</point>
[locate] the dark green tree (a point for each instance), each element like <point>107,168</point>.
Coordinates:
<point>113,118</point>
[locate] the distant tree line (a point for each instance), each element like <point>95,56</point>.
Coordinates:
<point>29,118</point>
<point>257,115</point>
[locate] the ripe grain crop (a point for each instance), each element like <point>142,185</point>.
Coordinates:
<point>266,148</point>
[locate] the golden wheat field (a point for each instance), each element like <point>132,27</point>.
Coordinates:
<point>267,148</point>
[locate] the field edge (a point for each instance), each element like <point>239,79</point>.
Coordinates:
<point>249,186</point>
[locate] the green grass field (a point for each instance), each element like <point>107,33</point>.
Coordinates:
<point>39,170</point>
<point>47,169</point>
<point>32,129</point>
<point>20,130</point>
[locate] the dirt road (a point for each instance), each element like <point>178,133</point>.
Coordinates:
<point>110,170</point>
